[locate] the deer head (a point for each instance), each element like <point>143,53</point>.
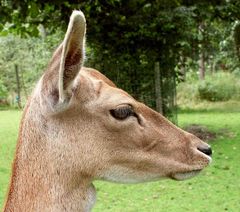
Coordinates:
<point>80,127</point>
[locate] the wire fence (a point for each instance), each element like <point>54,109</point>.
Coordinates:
<point>140,81</point>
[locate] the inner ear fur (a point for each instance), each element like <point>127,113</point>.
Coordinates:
<point>72,56</point>
<point>66,62</point>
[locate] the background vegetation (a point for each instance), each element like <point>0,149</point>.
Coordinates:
<point>125,41</point>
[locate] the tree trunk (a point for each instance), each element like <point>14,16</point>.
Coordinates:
<point>18,86</point>
<point>236,36</point>
<point>212,65</point>
<point>182,68</point>
<point>42,31</point>
<point>158,88</point>
<point>202,69</point>
<point>23,86</point>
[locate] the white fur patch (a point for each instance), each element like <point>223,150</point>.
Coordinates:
<point>121,174</point>
<point>185,176</point>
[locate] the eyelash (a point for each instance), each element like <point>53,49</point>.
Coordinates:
<point>122,113</point>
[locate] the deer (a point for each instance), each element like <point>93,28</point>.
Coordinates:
<point>78,127</point>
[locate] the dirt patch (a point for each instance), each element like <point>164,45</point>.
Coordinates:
<point>205,134</point>
<point>201,132</point>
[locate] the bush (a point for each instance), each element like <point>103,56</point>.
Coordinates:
<point>219,87</point>
<point>3,90</point>
<point>216,87</point>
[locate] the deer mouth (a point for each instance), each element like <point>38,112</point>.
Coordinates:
<point>185,175</point>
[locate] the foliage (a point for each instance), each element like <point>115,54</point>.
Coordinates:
<point>127,37</point>
<point>221,87</point>
<point>30,55</point>
<point>3,90</point>
<point>226,56</point>
<point>216,87</point>
<point>208,189</point>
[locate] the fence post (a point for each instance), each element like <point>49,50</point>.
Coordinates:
<point>158,88</point>
<point>18,86</point>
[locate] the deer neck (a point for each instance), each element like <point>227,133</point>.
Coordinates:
<point>37,184</point>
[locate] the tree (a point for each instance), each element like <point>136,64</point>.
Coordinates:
<point>128,37</point>
<point>30,56</point>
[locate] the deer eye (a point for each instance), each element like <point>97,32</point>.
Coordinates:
<point>122,112</point>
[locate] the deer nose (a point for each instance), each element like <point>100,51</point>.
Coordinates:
<point>205,150</point>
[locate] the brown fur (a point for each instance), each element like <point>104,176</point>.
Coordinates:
<point>65,144</point>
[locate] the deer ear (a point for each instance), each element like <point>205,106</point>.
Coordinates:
<point>72,55</point>
<point>64,66</point>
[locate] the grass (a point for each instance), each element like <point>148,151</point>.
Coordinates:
<point>215,189</point>
<point>9,121</point>
<point>203,105</point>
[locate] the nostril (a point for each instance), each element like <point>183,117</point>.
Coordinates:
<point>207,151</point>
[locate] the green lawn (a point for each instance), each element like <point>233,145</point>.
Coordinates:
<point>215,189</point>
